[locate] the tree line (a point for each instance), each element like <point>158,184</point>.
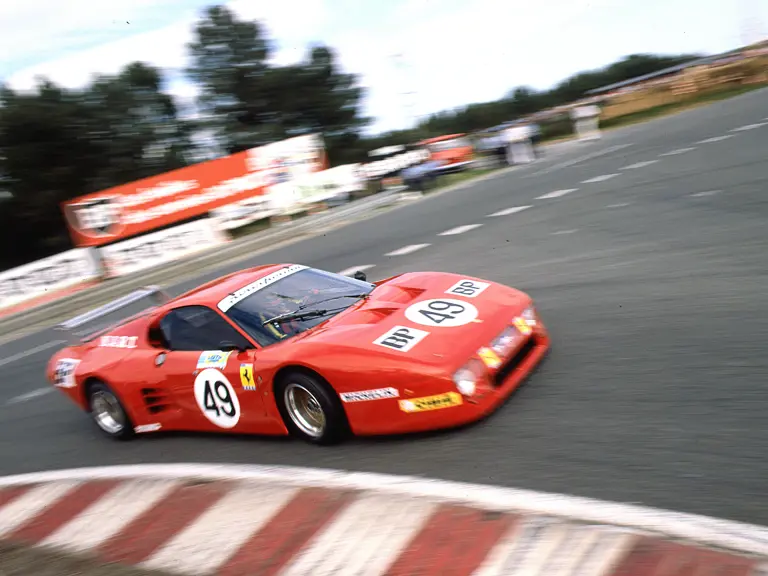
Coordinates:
<point>57,143</point>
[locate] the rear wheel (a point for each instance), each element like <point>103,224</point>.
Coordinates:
<point>310,409</point>
<point>108,412</point>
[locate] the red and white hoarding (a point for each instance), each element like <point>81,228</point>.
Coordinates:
<point>139,207</point>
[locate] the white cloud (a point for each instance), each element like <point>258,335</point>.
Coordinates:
<point>165,46</point>
<point>454,51</point>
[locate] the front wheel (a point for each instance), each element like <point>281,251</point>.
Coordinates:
<point>108,412</point>
<point>310,409</point>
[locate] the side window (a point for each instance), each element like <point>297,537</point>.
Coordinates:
<point>198,328</point>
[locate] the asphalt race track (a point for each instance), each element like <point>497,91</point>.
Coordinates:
<point>646,253</point>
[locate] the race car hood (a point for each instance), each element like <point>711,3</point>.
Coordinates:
<point>435,319</point>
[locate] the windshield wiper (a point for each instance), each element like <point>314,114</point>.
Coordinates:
<point>298,315</point>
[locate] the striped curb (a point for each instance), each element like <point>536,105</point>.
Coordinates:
<point>245,520</point>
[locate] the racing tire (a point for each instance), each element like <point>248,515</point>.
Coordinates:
<point>310,409</point>
<point>108,413</point>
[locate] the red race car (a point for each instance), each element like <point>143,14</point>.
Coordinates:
<point>289,349</point>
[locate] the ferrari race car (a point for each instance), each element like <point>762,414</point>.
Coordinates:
<point>289,349</point>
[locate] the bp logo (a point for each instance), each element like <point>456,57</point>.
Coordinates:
<point>99,217</point>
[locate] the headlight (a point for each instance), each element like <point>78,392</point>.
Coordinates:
<point>505,341</point>
<point>529,314</point>
<point>467,377</point>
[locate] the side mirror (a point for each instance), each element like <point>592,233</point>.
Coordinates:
<point>359,275</point>
<point>229,346</point>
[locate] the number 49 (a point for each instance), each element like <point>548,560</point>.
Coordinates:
<point>216,398</point>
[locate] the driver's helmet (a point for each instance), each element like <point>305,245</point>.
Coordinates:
<point>276,304</point>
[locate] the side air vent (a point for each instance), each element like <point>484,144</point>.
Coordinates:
<point>156,400</point>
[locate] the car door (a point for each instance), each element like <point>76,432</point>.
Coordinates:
<point>213,387</point>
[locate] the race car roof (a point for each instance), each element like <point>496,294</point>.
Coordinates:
<point>218,289</point>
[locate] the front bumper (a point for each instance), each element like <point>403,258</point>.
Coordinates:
<point>448,409</point>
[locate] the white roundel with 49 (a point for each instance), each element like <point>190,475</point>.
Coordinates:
<point>445,312</point>
<point>217,398</point>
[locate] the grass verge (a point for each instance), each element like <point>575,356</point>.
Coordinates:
<point>675,107</point>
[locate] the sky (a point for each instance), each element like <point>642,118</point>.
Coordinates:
<point>414,57</point>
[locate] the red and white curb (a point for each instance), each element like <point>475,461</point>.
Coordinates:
<point>247,520</point>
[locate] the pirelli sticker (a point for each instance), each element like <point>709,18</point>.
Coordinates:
<point>427,403</point>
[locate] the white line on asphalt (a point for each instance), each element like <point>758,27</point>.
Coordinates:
<point>706,193</point>
<point>31,351</point>
<point>715,139</point>
<point>556,194</point>
<point>749,127</point>
<point>678,151</point>
<point>601,178</point>
<point>561,232</point>
<point>578,160</point>
<point>508,211</point>
<point>639,165</point>
<point>460,230</point>
<point>619,205</point>
<point>353,269</point>
<point>406,250</point>
<point>29,396</point>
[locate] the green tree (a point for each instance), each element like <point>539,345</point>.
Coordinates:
<point>57,144</point>
<point>229,65</point>
<point>245,102</point>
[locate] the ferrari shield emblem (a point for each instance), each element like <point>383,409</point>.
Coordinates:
<point>246,377</point>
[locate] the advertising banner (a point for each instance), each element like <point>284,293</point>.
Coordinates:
<point>49,275</point>
<point>158,248</point>
<point>328,184</point>
<point>145,205</point>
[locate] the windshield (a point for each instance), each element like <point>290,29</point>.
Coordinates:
<point>309,289</point>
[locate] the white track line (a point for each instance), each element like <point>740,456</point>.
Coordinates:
<point>749,127</point>
<point>459,229</point>
<point>365,538</point>
<point>706,193</point>
<point>715,139</point>
<point>353,269</point>
<point>561,232</point>
<point>748,538</point>
<point>406,250</point>
<point>578,160</point>
<point>556,194</point>
<point>619,205</point>
<point>639,165</point>
<point>205,545</point>
<point>31,351</point>
<point>678,151</point>
<point>508,211</point>
<point>29,396</point>
<point>601,178</point>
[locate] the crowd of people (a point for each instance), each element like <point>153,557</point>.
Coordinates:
<point>519,142</point>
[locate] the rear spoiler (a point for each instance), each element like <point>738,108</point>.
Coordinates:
<point>68,326</point>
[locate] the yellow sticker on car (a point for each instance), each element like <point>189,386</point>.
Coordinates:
<point>246,377</point>
<point>437,402</point>
<point>522,325</point>
<point>489,358</point>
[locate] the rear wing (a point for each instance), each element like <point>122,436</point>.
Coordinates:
<point>69,326</point>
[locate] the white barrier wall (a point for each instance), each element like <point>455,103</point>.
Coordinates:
<point>49,275</point>
<point>242,213</point>
<point>157,248</point>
